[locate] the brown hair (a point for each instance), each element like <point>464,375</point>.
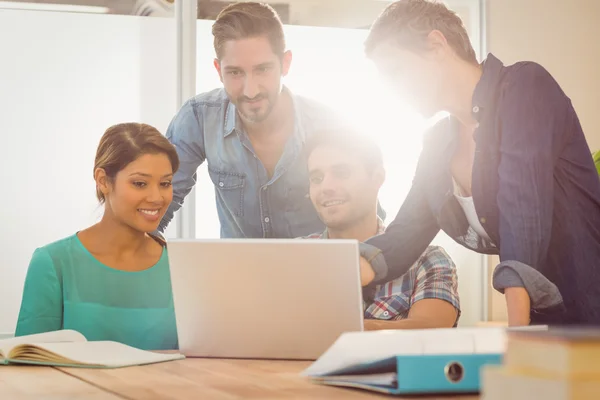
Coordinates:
<point>364,148</point>
<point>247,20</point>
<point>408,22</point>
<point>123,143</point>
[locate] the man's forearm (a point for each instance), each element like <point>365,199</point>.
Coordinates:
<point>518,305</point>
<point>366,272</point>
<point>408,323</point>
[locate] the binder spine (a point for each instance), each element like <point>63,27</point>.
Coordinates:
<point>449,373</point>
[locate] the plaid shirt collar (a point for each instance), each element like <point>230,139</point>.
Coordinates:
<point>325,234</point>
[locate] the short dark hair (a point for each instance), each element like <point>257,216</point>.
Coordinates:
<point>367,151</point>
<point>408,22</point>
<point>248,19</point>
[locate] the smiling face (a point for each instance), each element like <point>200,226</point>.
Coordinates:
<point>342,189</point>
<point>140,193</point>
<point>251,74</point>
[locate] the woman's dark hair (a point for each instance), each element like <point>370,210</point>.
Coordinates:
<point>123,143</point>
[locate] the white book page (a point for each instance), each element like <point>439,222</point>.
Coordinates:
<point>105,353</point>
<point>66,335</point>
<point>383,379</point>
<point>364,347</point>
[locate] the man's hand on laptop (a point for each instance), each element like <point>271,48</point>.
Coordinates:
<point>366,272</point>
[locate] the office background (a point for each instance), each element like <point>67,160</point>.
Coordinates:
<point>65,76</point>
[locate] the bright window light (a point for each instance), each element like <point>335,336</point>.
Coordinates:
<point>329,65</point>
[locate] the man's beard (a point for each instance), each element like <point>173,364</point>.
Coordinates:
<point>255,117</point>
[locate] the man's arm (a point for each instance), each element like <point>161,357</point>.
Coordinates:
<point>434,301</point>
<point>533,113</point>
<point>388,256</point>
<point>424,314</point>
<point>186,133</point>
<point>518,305</point>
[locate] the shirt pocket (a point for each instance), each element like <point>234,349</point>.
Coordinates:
<point>388,308</point>
<point>230,189</point>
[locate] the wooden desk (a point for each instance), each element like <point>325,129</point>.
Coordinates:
<point>34,383</point>
<point>204,379</point>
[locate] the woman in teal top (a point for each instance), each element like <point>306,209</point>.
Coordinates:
<point>111,281</point>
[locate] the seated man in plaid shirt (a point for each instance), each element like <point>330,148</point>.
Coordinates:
<point>346,172</point>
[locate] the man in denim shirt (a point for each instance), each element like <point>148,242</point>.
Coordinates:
<point>508,173</point>
<point>251,132</point>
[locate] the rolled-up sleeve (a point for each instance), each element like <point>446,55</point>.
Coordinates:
<point>543,294</point>
<point>186,133</point>
<point>532,118</point>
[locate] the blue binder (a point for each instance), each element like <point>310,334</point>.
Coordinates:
<point>415,374</point>
<point>412,362</point>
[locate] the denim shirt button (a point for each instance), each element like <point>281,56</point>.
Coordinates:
<point>264,188</point>
<point>482,220</point>
<point>267,219</point>
<point>475,109</point>
<point>221,184</point>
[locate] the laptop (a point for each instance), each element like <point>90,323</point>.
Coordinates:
<point>264,298</point>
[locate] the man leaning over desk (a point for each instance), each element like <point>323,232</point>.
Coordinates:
<point>251,132</point>
<point>345,173</point>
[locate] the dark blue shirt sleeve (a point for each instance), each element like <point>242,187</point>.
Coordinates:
<point>533,112</point>
<point>392,253</point>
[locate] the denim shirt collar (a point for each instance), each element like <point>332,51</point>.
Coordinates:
<point>233,121</point>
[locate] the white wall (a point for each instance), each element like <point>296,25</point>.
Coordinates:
<point>65,79</point>
<point>562,35</point>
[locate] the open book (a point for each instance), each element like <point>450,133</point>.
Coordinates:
<point>67,348</point>
<point>411,361</point>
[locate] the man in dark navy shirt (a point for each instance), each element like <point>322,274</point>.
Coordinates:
<point>508,173</point>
